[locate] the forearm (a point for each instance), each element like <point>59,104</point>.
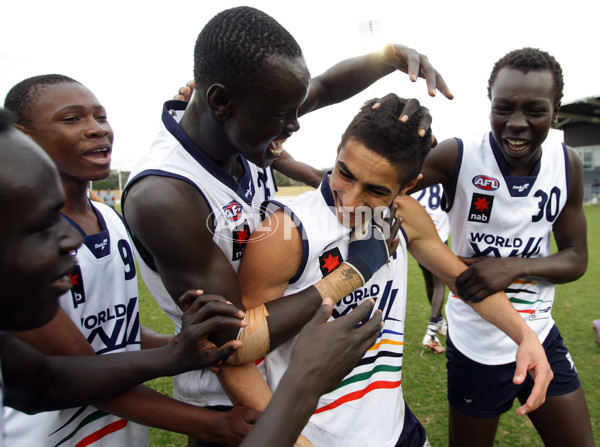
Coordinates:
<point>287,315</point>
<point>148,407</point>
<point>285,417</point>
<point>499,311</point>
<point>152,339</point>
<point>345,79</point>
<point>72,381</point>
<point>561,267</point>
<point>245,386</point>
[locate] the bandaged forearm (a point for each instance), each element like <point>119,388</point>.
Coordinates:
<point>339,283</point>
<point>255,337</point>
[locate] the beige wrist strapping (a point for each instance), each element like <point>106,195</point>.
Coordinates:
<point>255,337</point>
<point>339,283</point>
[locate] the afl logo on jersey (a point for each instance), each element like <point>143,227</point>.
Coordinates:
<point>486,183</point>
<point>233,211</point>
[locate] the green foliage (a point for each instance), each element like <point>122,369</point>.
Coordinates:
<point>424,375</point>
<point>112,181</point>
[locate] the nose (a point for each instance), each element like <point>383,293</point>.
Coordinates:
<point>517,121</point>
<point>69,238</point>
<point>353,198</point>
<point>97,129</point>
<point>292,126</point>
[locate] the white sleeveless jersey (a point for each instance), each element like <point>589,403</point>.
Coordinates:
<point>235,213</point>
<point>367,408</point>
<point>431,199</point>
<point>103,303</point>
<point>495,214</point>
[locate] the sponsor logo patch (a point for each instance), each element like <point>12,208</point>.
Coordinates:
<point>77,291</point>
<point>233,211</point>
<point>240,237</point>
<point>481,208</point>
<point>330,260</point>
<point>486,183</point>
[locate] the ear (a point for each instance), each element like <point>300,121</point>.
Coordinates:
<point>410,185</point>
<point>219,101</point>
<point>22,128</point>
<point>555,114</point>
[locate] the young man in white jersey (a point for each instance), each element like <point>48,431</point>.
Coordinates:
<point>100,313</point>
<point>431,199</point>
<point>507,191</point>
<point>36,259</point>
<point>379,159</point>
<point>193,200</point>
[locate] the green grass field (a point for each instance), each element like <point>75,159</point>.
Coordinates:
<point>424,374</point>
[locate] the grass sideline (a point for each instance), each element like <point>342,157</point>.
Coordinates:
<point>424,376</point>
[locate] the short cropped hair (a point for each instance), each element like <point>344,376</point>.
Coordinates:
<point>530,59</point>
<point>232,47</point>
<point>21,98</point>
<point>382,132</point>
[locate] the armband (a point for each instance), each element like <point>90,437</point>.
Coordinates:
<point>255,337</point>
<point>367,251</point>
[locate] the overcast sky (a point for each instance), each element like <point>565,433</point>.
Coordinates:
<point>135,55</point>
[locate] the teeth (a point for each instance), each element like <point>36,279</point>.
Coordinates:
<point>517,145</point>
<point>277,147</point>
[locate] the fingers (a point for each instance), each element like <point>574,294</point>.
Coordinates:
<point>187,299</point>
<point>357,315</point>
<point>222,353</point>
<point>537,397</point>
<point>322,314</point>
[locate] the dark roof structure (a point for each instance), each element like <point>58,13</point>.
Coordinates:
<point>580,120</point>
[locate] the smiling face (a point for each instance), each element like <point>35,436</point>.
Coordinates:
<point>267,114</point>
<point>523,109</point>
<point>362,181</point>
<point>36,241</point>
<point>69,123</point>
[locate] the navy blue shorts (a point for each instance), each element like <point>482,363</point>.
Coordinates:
<point>413,432</point>
<point>487,391</point>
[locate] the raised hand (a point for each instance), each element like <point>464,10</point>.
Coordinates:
<point>416,65</point>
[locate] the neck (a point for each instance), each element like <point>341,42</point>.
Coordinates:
<point>77,205</point>
<point>208,134</point>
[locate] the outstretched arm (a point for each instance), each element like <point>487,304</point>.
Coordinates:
<point>34,382</point>
<point>427,248</point>
<point>351,76</point>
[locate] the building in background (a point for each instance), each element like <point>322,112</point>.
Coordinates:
<point>580,122</point>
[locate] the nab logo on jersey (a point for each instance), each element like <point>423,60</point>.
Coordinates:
<point>240,238</point>
<point>486,183</point>
<point>77,291</point>
<point>481,208</point>
<point>329,261</point>
<point>233,211</point>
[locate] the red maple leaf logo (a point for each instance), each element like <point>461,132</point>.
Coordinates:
<point>331,263</point>
<point>481,204</point>
<point>73,279</point>
<point>242,235</point>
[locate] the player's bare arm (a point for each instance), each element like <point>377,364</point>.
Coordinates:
<point>427,248</point>
<point>351,76</point>
<point>140,404</point>
<point>33,382</point>
<point>487,275</point>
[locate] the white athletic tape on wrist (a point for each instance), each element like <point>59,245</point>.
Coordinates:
<point>255,337</point>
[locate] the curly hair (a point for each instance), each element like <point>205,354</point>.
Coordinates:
<point>530,59</point>
<point>21,97</point>
<point>233,45</point>
<point>382,132</point>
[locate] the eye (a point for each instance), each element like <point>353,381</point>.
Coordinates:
<point>70,119</point>
<point>501,110</point>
